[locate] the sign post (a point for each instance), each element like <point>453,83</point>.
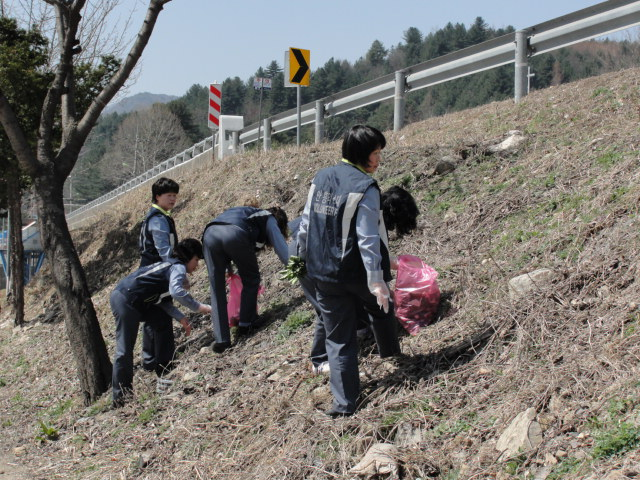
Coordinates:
<point>298,69</point>
<point>215,101</point>
<point>260,83</point>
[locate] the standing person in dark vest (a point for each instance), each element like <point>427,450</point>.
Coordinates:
<point>400,213</point>
<point>136,299</point>
<point>158,237</point>
<point>343,240</point>
<point>235,235</point>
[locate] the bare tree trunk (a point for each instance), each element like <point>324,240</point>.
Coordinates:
<point>16,260</point>
<point>81,321</point>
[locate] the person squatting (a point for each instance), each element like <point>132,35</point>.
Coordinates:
<point>341,236</point>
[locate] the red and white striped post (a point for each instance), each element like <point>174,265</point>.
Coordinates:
<point>215,99</point>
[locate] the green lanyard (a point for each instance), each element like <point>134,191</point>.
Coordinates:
<point>168,214</point>
<point>354,165</point>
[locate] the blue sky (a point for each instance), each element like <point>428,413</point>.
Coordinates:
<point>202,41</point>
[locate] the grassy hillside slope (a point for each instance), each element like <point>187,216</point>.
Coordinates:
<point>566,199</point>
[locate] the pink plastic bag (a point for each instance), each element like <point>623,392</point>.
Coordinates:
<point>416,295</point>
<point>234,282</point>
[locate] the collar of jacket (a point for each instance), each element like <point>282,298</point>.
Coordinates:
<point>165,212</point>
<point>354,165</point>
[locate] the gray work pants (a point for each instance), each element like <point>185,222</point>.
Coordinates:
<point>222,244</point>
<point>339,306</point>
<point>128,320</point>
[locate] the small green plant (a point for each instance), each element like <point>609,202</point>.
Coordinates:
<point>296,268</point>
<point>406,180</point>
<point>453,474</point>
<point>392,418</point>
<point>608,159</point>
<point>147,415</point>
<point>602,91</point>
<point>624,438</point>
<point>47,432</point>
<point>513,465</point>
<point>60,408</point>
<point>569,466</point>
<point>2,383</point>
<point>294,322</point>
<point>620,406</point>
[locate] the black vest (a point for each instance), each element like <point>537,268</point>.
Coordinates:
<point>148,252</point>
<point>332,242</point>
<point>148,285</point>
<point>250,219</point>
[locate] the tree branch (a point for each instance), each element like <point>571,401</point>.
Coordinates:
<point>117,81</point>
<point>17,138</point>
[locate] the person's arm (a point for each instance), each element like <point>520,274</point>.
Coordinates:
<point>161,233</point>
<point>368,235</point>
<point>304,225</point>
<point>277,240</point>
<point>176,289</point>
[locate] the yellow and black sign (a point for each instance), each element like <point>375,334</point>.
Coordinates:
<point>299,70</point>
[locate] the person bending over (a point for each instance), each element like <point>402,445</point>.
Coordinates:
<point>236,235</point>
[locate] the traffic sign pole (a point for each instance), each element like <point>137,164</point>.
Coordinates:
<point>298,110</point>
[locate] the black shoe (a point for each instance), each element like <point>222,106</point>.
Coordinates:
<point>220,347</point>
<point>149,367</point>
<point>333,413</point>
<point>243,331</point>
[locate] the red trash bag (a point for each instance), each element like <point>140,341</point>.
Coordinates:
<point>416,295</point>
<point>234,282</point>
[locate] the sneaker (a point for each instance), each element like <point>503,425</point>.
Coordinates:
<point>163,385</point>
<point>321,368</point>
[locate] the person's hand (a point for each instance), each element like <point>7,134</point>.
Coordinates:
<point>381,292</point>
<point>186,325</point>
<point>393,260</point>
<point>204,308</point>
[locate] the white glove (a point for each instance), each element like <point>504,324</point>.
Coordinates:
<point>394,262</point>
<point>381,292</point>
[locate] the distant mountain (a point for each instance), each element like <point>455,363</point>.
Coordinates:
<point>139,101</point>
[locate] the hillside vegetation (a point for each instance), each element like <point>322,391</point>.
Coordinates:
<point>566,199</point>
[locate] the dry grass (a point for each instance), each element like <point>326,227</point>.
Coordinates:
<point>566,200</point>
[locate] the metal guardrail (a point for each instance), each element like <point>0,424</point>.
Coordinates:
<point>515,47</point>
<point>174,161</point>
<point>588,23</point>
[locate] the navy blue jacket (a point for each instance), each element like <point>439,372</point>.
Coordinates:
<point>332,253</point>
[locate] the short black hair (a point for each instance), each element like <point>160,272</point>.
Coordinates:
<point>187,249</point>
<point>399,210</point>
<point>281,218</point>
<point>359,142</point>
<point>163,185</point>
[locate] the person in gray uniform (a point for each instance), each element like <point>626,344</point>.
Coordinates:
<point>136,299</point>
<point>343,240</point>
<point>400,213</point>
<point>235,235</point>
<point>157,239</point>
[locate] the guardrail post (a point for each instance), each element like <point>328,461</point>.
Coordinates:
<point>319,121</point>
<point>235,136</point>
<point>522,65</point>
<point>399,101</point>
<point>266,140</point>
